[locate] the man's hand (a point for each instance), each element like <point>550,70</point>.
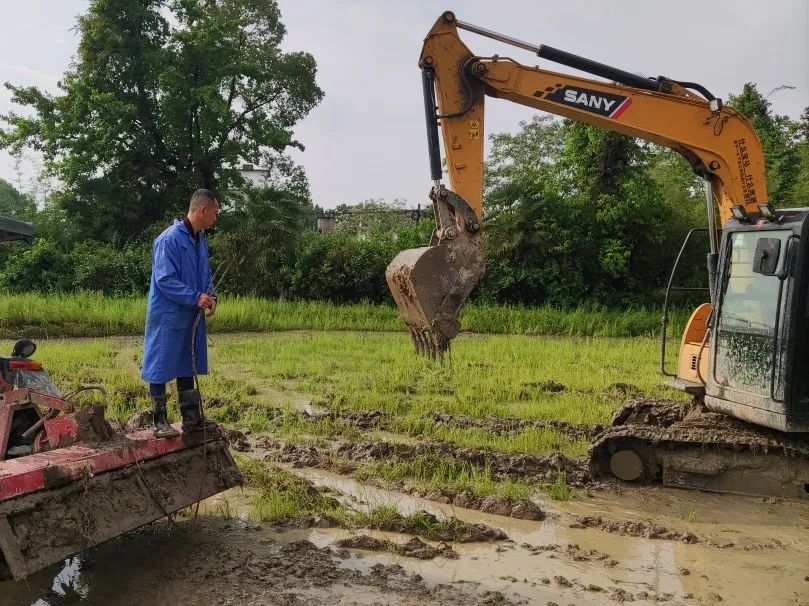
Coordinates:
<point>206,301</point>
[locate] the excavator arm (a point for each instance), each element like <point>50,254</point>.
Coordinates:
<point>430,284</point>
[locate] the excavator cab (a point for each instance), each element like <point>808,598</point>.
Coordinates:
<point>759,354</point>
<point>750,358</point>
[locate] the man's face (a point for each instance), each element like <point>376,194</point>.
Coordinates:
<point>208,215</point>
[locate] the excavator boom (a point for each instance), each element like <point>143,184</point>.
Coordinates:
<point>431,284</point>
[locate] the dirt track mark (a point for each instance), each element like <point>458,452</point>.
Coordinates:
<point>531,468</point>
<point>345,458</point>
<point>420,523</point>
<point>504,425</point>
<point>649,530</point>
<point>375,419</point>
<point>414,548</point>
<point>297,572</point>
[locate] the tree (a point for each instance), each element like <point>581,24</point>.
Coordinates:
<point>574,214</point>
<point>164,96</point>
<point>801,192</point>
<point>628,219</point>
<point>15,204</point>
<point>377,215</point>
<point>532,234</point>
<point>778,135</point>
<point>258,238</point>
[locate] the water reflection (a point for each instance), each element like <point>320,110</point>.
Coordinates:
<point>69,585</point>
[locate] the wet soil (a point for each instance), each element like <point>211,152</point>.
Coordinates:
<point>375,419</point>
<point>429,526</point>
<point>612,544</point>
<point>420,523</point>
<point>414,548</point>
<point>628,568</point>
<point>502,465</point>
<point>347,457</point>
<point>504,425</point>
<point>634,529</point>
<point>227,563</point>
<point>649,530</point>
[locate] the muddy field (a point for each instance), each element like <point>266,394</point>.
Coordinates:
<point>510,525</point>
<point>605,548</point>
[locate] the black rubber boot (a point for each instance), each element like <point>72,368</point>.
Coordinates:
<point>190,409</point>
<point>162,429</point>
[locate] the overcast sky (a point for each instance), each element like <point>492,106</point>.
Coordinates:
<point>366,139</point>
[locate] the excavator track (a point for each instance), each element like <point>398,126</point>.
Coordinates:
<point>682,444</point>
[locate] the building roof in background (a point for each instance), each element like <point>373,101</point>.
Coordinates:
<point>13,229</point>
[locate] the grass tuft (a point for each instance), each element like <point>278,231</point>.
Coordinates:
<point>282,495</point>
<point>558,490</point>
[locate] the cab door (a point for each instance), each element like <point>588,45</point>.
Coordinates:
<point>755,295</point>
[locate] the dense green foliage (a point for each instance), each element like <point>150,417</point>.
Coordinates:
<point>165,96</point>
<point>579,213</point>
<point>779,138</point>
<point>15,204</point>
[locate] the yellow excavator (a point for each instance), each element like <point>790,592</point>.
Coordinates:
<point>744,355</point>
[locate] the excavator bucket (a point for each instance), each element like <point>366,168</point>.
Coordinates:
<point>430,285</point>
<point>56,503</point>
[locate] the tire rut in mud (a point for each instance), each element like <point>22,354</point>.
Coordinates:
<point>347,457</point>
<point>650,530</point>
<point>414,548</point>
<point>375,419</point>
<point>420,523</point>
<point>532,468</point>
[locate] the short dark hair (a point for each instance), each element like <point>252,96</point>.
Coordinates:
<point>202,197</point>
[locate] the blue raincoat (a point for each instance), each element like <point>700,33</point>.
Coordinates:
<point>180,273</point>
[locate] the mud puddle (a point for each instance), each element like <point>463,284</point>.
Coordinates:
<point>229,562</point>
<point>551,561</point>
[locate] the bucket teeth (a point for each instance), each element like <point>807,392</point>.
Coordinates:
<point>429,343</point>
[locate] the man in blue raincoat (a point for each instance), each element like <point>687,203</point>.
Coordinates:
<point>181,287</point>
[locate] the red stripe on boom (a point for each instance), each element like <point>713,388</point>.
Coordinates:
<point>621,108</point>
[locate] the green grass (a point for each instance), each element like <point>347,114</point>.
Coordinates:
<point>429,473</point>
<point>252,376</point>
<point>283,495</point>
<point>486,376</point>
<point>257,382</point>
<point>88,314</point>
<point>558,490</point>
<point>690,516</point>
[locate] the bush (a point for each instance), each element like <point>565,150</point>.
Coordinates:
<point>344,268</point>
<point>46,267</point>
<point>42,268</point>
<point>113,271</point>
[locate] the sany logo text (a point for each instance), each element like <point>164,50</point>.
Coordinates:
<point>579,98</point>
